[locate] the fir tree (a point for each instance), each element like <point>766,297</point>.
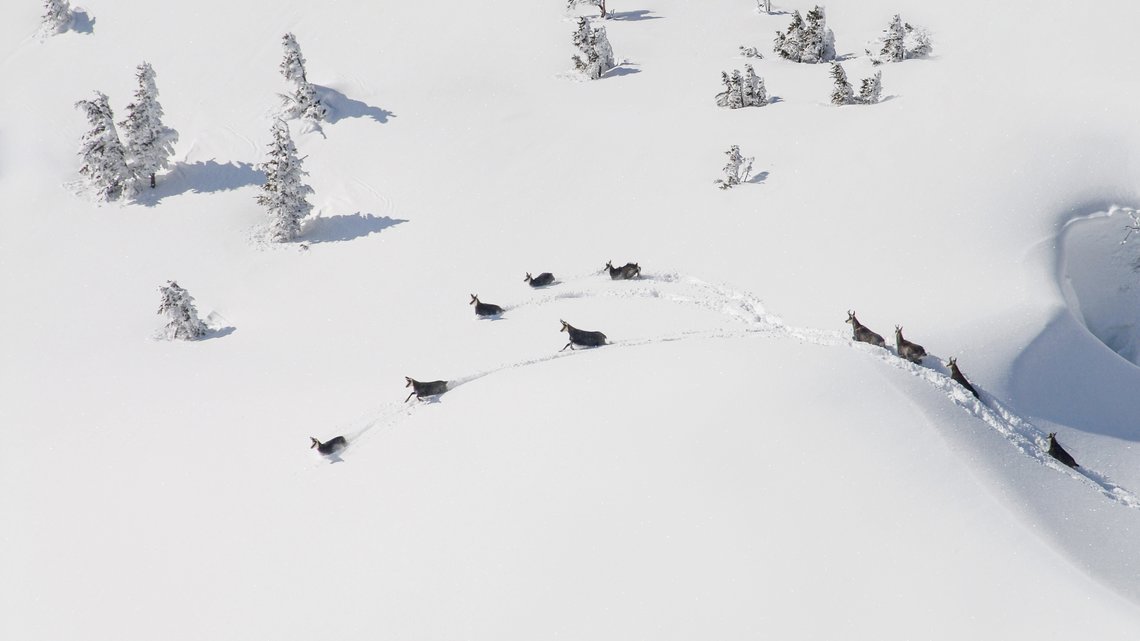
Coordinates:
<point>737,170</point>
<point>58,17</point>
<point>283,194</point>
<point>871,89</point>
<point>790,46</point>
<point>842,94</point>
<point>916,42</point>
<point>890,46</point>
<point>732,96</point>
<point>303,101</point>
<point>754,93</point>
<point>742,91</point>
<point>104,158</point>
<point>818,40</point>
<point>600,4</point>
<point>182,317</point>
<point>150,144</point>
<point>593,44</point>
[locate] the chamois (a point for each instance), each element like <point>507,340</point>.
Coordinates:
<point>625,272</point>
<point>862,333</point>
<point>420,390</point>
<point>542,280</point>
<point>329,447</point>
<point>1059,453</point>
<point>912,352</point>
<point>582,337</point>
<point>956,375</point>
<point>485,309</point>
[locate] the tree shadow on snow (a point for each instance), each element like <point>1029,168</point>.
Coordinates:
<point>341,106</point>
<point>758,178</point>
<point>220,332</point>
<point>81,22</point>
<point>624,69</point>
<point>201,177</point>
<point>334,229</point>
<point>633,16</point>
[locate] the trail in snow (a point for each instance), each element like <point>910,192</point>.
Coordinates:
<point>750,319</point>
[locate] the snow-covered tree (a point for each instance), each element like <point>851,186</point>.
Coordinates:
<point>764,5</point>
<point>842,93</point>
<point>818,40</point>
<point>104,157</point>
<point>302,102</point>
<point>595,47</point>
<point>900,41</point>
<point>58,17</point>
<point>742,90</point>
<point>789,46</point>
<point>750,52</point>
<point>600,4</point>
<point>182,317</point>
<point>150,144</point>
<point>737,170</point>
<point>871,89</point>
<point>284,192</point>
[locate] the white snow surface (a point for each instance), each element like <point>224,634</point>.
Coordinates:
<point>731,466</point>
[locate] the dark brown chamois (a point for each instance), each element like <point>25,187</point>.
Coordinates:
<point>625,272</point>
<point>1059,453</point>
<point>912,352</point>
<point>331,446</point>
<point>862,333</point>
<point>582,337</point>
<point>485,309</point>
<point>420,390</point>
<point>957,376</point>
<point>542,280</point>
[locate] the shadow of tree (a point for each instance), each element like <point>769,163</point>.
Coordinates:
<point>341,106</point>
<point>633,16</point>
<point>201,177</point>
<point>758,178</point>
<point>334,229</point>
<point>81,22</point>
<point>621,70</point>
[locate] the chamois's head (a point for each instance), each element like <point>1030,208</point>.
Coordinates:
<point>953,363</point>
<point>474,300</point>
<point>565,326</point>
<point>1052,436</point>
<point>898,331</point>
<point>609,264</point>
<point>851,317</point>
<point>410,381</point>
<point>528,278</point>
<point>316,443</point>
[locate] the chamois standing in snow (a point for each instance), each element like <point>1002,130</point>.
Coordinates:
<point>542,280</point>
<point>625,272</point>
<point>862,333</point>
<point>484,309</point>
<point>1059,453</point>
<point>957,376</point>
<point>420,390</point>
<point>582,337</point>
<point>331,446</point>
<point>912,352</point>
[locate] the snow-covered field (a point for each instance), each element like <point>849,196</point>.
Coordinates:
<point>732,466</point>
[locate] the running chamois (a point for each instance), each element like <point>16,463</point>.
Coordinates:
<point>485,309</point>
<point>912,352</point>
<point>421,389</point>
<point>581,337</point>
<point>329,447</point>
<point>957,376</point>
<point>1059,453</point>
<point>862,333</point>
<point>542,280</point>
<point>625,272</point>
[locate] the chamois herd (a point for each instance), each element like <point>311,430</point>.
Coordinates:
<point>905,349</point>
<point>914,353</point>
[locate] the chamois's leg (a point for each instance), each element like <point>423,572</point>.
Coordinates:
<point>410,395</point>
<point>570,345</point>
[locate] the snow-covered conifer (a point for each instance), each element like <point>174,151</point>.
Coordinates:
<point>182,317</point>
<point>900,41</point>
<point>789,46</point>
<point>600,4</point>
<point>150,144</point>
<point>750,52</point>
<point>818,40</point>
<point>595,47</point>
<point>737,170</point>
<point>754,93</point>
<point>842,93</point>
<point>58,17</point>
<point>871,89</point>
<point>917,41</point>
<point>283,193</point>
<point>303,101</point>
<point>104,157</point>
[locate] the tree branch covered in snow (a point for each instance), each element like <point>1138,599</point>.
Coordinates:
<point>737,170</point>
<point>597,57</point>
<point>182,317</point>
<point>600,4</point>
<point>58,17</point>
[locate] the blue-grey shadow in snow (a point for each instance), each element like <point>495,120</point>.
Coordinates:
<point>335,229</point>
<point>758,178</point>
<point>201,177</point>
<point>341,106</point>
<point>633,16</point>
<point>624,69</point>
<point>81,22</point>
<point>220,332</point>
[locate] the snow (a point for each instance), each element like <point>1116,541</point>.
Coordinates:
<point>731,466</point>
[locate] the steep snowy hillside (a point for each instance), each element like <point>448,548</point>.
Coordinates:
<point>730,465</point>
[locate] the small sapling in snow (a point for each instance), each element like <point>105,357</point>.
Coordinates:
<point>737,170</point>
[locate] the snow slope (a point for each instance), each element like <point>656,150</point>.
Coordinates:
<point>731,466</point>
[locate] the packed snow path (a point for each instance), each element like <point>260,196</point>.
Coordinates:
<point>748,318</point>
